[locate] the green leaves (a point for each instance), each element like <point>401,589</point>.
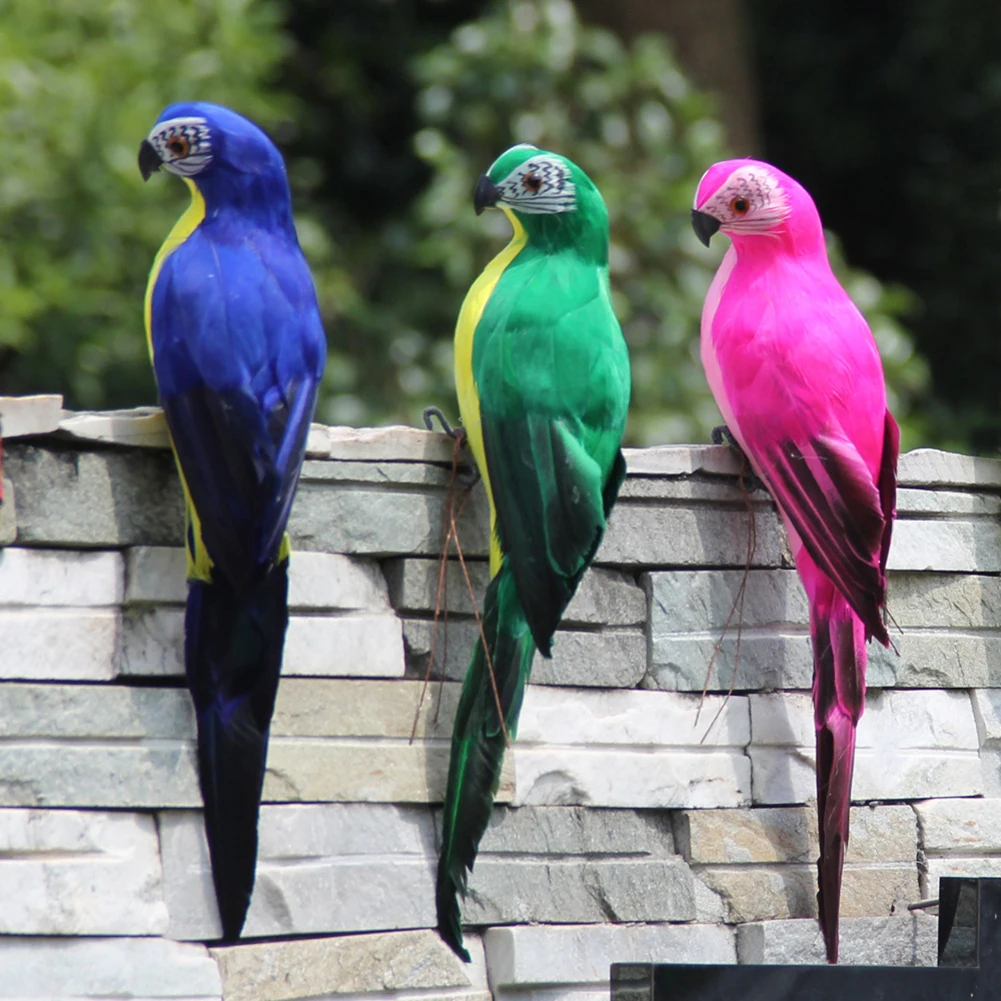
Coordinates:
<point>529,71</point>
<point>81,83</point>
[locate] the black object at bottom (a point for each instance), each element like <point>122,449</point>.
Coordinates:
<point>969,956</point>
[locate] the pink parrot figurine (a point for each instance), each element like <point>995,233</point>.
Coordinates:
<point>795,370</point>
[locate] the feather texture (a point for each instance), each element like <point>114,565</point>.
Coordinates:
<point>797,375</point>
<point>238,351</point>
<point>543,378</point>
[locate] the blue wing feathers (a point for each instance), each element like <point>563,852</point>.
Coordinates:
<point>238,349</point>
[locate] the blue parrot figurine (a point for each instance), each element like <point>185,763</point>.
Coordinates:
<point>238,350</point>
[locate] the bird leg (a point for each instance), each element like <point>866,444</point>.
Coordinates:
<point>466,479</point>
<point>430,413</point>
<point>722,435</point>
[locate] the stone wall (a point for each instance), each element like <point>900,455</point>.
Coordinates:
<point>635,826</point>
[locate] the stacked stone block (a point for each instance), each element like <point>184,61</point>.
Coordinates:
<point>657,805</point>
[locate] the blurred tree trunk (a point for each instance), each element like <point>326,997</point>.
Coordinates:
<point>712,43</point>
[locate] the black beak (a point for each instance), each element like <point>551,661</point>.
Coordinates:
<point>486,195</point>
<point>149,159</point>
<point>704,225</point>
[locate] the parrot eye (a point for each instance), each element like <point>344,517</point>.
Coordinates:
<point>178,145</point>
<point>532,182</point>
<point>739,206</point>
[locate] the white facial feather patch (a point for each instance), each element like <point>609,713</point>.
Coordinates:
<point>539,186</point>
<point>169,139</point>
<point>767,203</point>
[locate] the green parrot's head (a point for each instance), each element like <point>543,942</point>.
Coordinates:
<point>546,193</point>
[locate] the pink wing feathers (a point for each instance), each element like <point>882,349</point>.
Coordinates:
<point>803,382</point>
<point>840,512</point>
<point>791,395</point>
<point>797,375</point>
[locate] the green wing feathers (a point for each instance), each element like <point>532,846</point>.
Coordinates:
<point>550,512</point>
<point>552,378</point>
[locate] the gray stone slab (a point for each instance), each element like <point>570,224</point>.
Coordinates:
<point>317,581</point>
<point>646,778</point>
<point>987,712</point>
<point>95,499</point>
<point>695,601</point>
<point>354,867</point>
<point>932,720</point>
<point>142,427</point>
<point>579,891</point>
<point>911,745</point>
<point>65,644</point>
<point>355,644</point>
<point>387,475</point>
<point>960,826</point>
<point>66,872</point>
<point>930,467</point>
<point>401,965</point>
<point>682,460</point>
<point>990,768</point>
<point>377,521</point>
<point>932,659</point>
<point>396,443</point>
<point>950,631</point>
<point>630,749</point>
<point>577,831</point>
<point>538,955</point>
<point>879,834</point>
<point>901,940</point>
<point>367,771</point>
<point>8,513</point>
<point>776,892</point>
<point>604,597</point>
<point>784,660</point>
<point>109,775</point>
<point>115,746</point>
<point>598,718</point>
<point>940,501</point>
<point>60,578</point>
<point>967,546</point>
<point>787,775</point>
<point>21,416</point>
<point>144,969</point>
<point>93,712</point>
<point>666,535</point>
<point>609,658</point>
<point>365,867</point>
<point>720,492</point>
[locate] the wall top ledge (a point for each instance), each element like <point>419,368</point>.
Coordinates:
<point>145,427</point>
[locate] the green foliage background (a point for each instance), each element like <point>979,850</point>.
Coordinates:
<point>81,83</point>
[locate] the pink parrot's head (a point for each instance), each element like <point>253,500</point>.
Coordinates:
<point>749,199</point>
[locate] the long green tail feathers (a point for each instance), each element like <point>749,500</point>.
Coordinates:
<point>478,744</point>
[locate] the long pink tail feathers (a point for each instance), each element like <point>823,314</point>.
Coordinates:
<point>839,700</point>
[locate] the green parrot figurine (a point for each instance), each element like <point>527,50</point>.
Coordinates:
<point>543,381</point>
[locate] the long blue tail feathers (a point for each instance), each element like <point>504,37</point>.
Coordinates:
<point>233,654</point>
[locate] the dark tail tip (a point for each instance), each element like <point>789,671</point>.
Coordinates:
<point>449,922</point>
<point>231,777</point>
<point>831,935</point>
<point>232,914</point>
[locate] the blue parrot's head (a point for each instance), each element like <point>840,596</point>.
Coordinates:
<point>199,140</point>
